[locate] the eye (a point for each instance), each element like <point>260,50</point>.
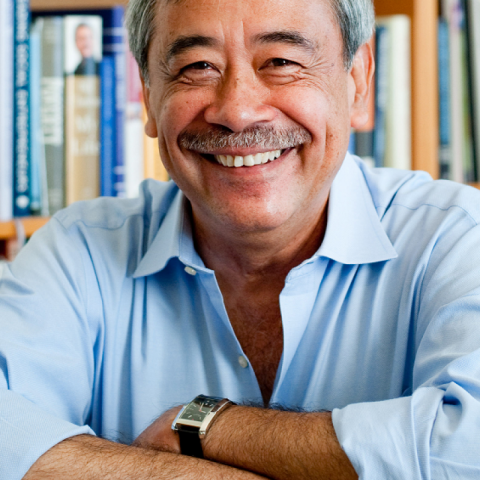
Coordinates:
<point>281,62</point>
<point>197,66</point>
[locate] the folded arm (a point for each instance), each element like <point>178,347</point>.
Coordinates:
<point>86,457</point>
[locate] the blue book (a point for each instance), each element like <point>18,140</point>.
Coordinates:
<point>445,159</point>
<point>107,126</point>
<point>36,143</point>
<point>21,109</point>
<point>381,94</point>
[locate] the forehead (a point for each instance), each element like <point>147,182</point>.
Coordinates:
<point>229,18</point>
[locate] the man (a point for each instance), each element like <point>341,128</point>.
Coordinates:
<point>84,43</point>
<point>286,273</point>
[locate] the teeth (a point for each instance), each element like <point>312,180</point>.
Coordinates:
<point>249,160</point>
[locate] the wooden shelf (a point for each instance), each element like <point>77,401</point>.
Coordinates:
<point>77,5</point>
<point>30,224</point>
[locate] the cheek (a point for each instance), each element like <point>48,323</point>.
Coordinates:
<point>180,110</point>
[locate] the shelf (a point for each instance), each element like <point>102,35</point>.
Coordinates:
<point>31,225</point>
<point>77,5</point>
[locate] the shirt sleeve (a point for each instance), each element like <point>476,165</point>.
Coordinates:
<point>48,348</point>
<point>433,432</point>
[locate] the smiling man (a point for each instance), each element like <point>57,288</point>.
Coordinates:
<point>288,312</point>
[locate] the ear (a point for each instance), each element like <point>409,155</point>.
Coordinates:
<point>360,85</point>
<point>151,125</point>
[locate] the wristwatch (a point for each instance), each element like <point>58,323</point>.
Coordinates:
<point>194,420</point>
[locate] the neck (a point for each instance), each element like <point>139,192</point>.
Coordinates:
<point>251,257</point>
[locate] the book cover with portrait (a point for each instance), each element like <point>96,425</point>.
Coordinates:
<point>83,55</point>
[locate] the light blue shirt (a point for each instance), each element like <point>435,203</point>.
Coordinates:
<point>102,326</point>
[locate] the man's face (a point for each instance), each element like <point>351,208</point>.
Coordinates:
<point>84,41</point>
<point>223,71</point>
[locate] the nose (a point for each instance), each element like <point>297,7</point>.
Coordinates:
<point>239,103</point>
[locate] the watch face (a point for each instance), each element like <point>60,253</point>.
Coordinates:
<point>199,408</point>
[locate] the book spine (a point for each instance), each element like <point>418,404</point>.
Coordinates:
<point>474,10</point>
<point>469,165</point>
<point>107,126</point>
<point>134,154</point>
<point>473,17</point>
<point>82,107</point>
<point>120,104</point>
<point>82,137</point>
<point>444,99</point>
<point>381,94</point>
<point>21,110</point>
<point>35,127</point>
<point>6,110</point>
<point>52,110</point>
<point>451,9</point>
<point>398,145</point>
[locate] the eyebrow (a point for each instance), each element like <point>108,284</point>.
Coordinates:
<point>185,43</point>
<point>290,37</point>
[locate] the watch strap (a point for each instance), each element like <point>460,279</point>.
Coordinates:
<point>190,443</point>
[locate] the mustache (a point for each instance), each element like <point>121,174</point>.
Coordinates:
<point>269,138</point>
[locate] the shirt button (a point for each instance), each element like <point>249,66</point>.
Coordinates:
<point>243,361</point>
<point>190,270</point>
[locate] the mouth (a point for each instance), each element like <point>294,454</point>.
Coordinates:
<point>236,161</point>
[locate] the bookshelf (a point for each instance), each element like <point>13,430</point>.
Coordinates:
<point>424,14</point>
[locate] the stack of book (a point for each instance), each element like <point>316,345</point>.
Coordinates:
<point>71,121</point>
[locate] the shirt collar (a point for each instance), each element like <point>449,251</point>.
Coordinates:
<point>354,233</point>
<point>174,239</point>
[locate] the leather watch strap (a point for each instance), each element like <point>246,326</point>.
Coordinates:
<point>190,442</point>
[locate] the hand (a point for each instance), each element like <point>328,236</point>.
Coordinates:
<point>159,435</point>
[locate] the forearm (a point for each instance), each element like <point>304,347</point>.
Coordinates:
<point>90,458</point>
<point>279,445</point>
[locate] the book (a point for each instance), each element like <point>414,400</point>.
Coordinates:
<point>452,13</point>
<point>21,109</point>
<point>83,54</point>
<point>445,159</point>
<point>469,166</point>
<point>35,125</point>
<point>107,125</point>
<point>381,94</point>
<point>52,109</point>
<point>134,155</point>
<point>6,110</point>
<point>398,122</point>
<point>473,16</point>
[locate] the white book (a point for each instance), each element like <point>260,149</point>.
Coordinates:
<point>134,129</point>
<point>474,10</point>
<point>398,124</point>
<point>6,110</point>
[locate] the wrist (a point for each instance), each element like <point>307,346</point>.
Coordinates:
<point>194,421</point>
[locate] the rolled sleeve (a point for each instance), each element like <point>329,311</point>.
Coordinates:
<point>48,342</point>
<point>433,434</point>
<point>27,432</point>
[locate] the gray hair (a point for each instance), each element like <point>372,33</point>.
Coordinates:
<point>356,19</point>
